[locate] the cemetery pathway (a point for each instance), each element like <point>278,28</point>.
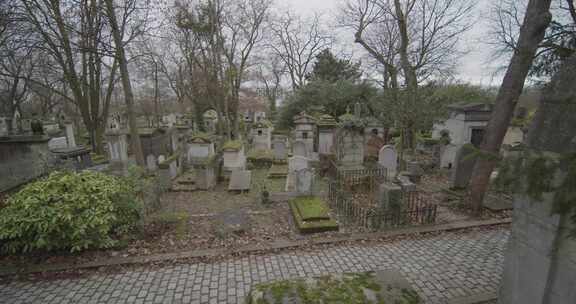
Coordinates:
<point>440,267</point>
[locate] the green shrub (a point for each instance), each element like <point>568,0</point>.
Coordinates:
<point>69,211</point>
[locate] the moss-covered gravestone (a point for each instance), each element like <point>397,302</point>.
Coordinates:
<point>311,214</point>
<point>353,288</point>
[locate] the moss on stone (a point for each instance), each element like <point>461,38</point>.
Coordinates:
<point>355,288</point>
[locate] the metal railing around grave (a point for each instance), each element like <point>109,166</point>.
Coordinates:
<point>364,211</point>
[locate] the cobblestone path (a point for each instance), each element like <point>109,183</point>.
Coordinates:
<point>440,267</point>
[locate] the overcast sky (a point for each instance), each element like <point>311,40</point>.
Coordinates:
<point>476,66</point>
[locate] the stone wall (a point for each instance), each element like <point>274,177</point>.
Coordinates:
<point>22,159</point>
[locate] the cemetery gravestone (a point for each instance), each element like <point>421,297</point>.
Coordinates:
<point>304,181</point>
<point>70,135</point>
<point>57,143</point>
<point>464,167</point>
<point>351,149</point>
<point>300,149</point>
<point>295,164</point>
<point>388,158</point>
<point>240,180</point>
<point>279,150</point>
<point>151,162</point>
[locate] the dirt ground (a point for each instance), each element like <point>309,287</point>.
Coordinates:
<point>188,222</point>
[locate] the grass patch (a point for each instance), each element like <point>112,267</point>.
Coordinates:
<point>354,288</point>
<point>312,208</point>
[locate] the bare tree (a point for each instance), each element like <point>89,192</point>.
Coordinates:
<point>536,20</point>
<point>118,30</point>
<point>296,41</point>
<point>414,41</point>
<point>73,34</point>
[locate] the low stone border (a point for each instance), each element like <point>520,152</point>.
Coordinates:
<point>209,253</point>
<point>482,298</point>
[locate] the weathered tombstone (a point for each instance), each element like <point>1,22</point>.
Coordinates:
<point>390,196</point>
<point>299,149</point>
<point>3,126</point>
<point>388,158</point>
<point>448,156</point>
<point>240,180</point>
<point>304,181</point>
<point>415,171</point>
<point>199,149</point>
<point>295,164</point>
<point>279,150</point>
<point>350,148</point>
<point>58,143</point>
<point>151,162</point>
<point>405,183</point>
<point>118,150</point>
<point>70,135</point>
<point>234,157</point>
<point>464,166</point>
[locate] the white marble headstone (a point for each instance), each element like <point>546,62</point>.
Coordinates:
<point>388,158</point>
<point>295,164</point>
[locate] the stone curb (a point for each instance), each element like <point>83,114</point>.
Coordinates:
<point>208,253</point>
<point>475,299</point>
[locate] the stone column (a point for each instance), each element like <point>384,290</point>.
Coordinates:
<point>540,264</point>
<point>70,135</point>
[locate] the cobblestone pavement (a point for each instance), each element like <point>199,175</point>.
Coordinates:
<point>439,267</point>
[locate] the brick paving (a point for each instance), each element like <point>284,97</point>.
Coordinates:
<point>439,267</point>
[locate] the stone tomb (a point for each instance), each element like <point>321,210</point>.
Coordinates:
<point>262,136</point>
<point>462,173</point>
<point>280,152</point>
<point>299,149</point>
<point>388,158</point>
<point>350,148</point>
<point>295,164</point>
<point>57,143</point>
<point>234,157</point>
<point>305,131</point>
<point>199,149</point>
<point>240,180</point>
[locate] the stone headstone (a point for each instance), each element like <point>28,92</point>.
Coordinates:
<point>151,162</point>
<point>405,183</point>
<point>304,181</point>
<point>448,156</point>
<point>295,164</point>
<point>390,196</point>
<point>58,143</point>
<point>464,166</point>
<point>351,149</point>
<point>388,158</point>
<point>3,126</point>
<point>299,149</point>
<point>70,135</point>
<point>240,180</point>
<point>279,150</point>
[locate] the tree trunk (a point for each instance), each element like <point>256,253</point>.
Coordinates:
<point>532,32</point>
<point>126,84</point>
